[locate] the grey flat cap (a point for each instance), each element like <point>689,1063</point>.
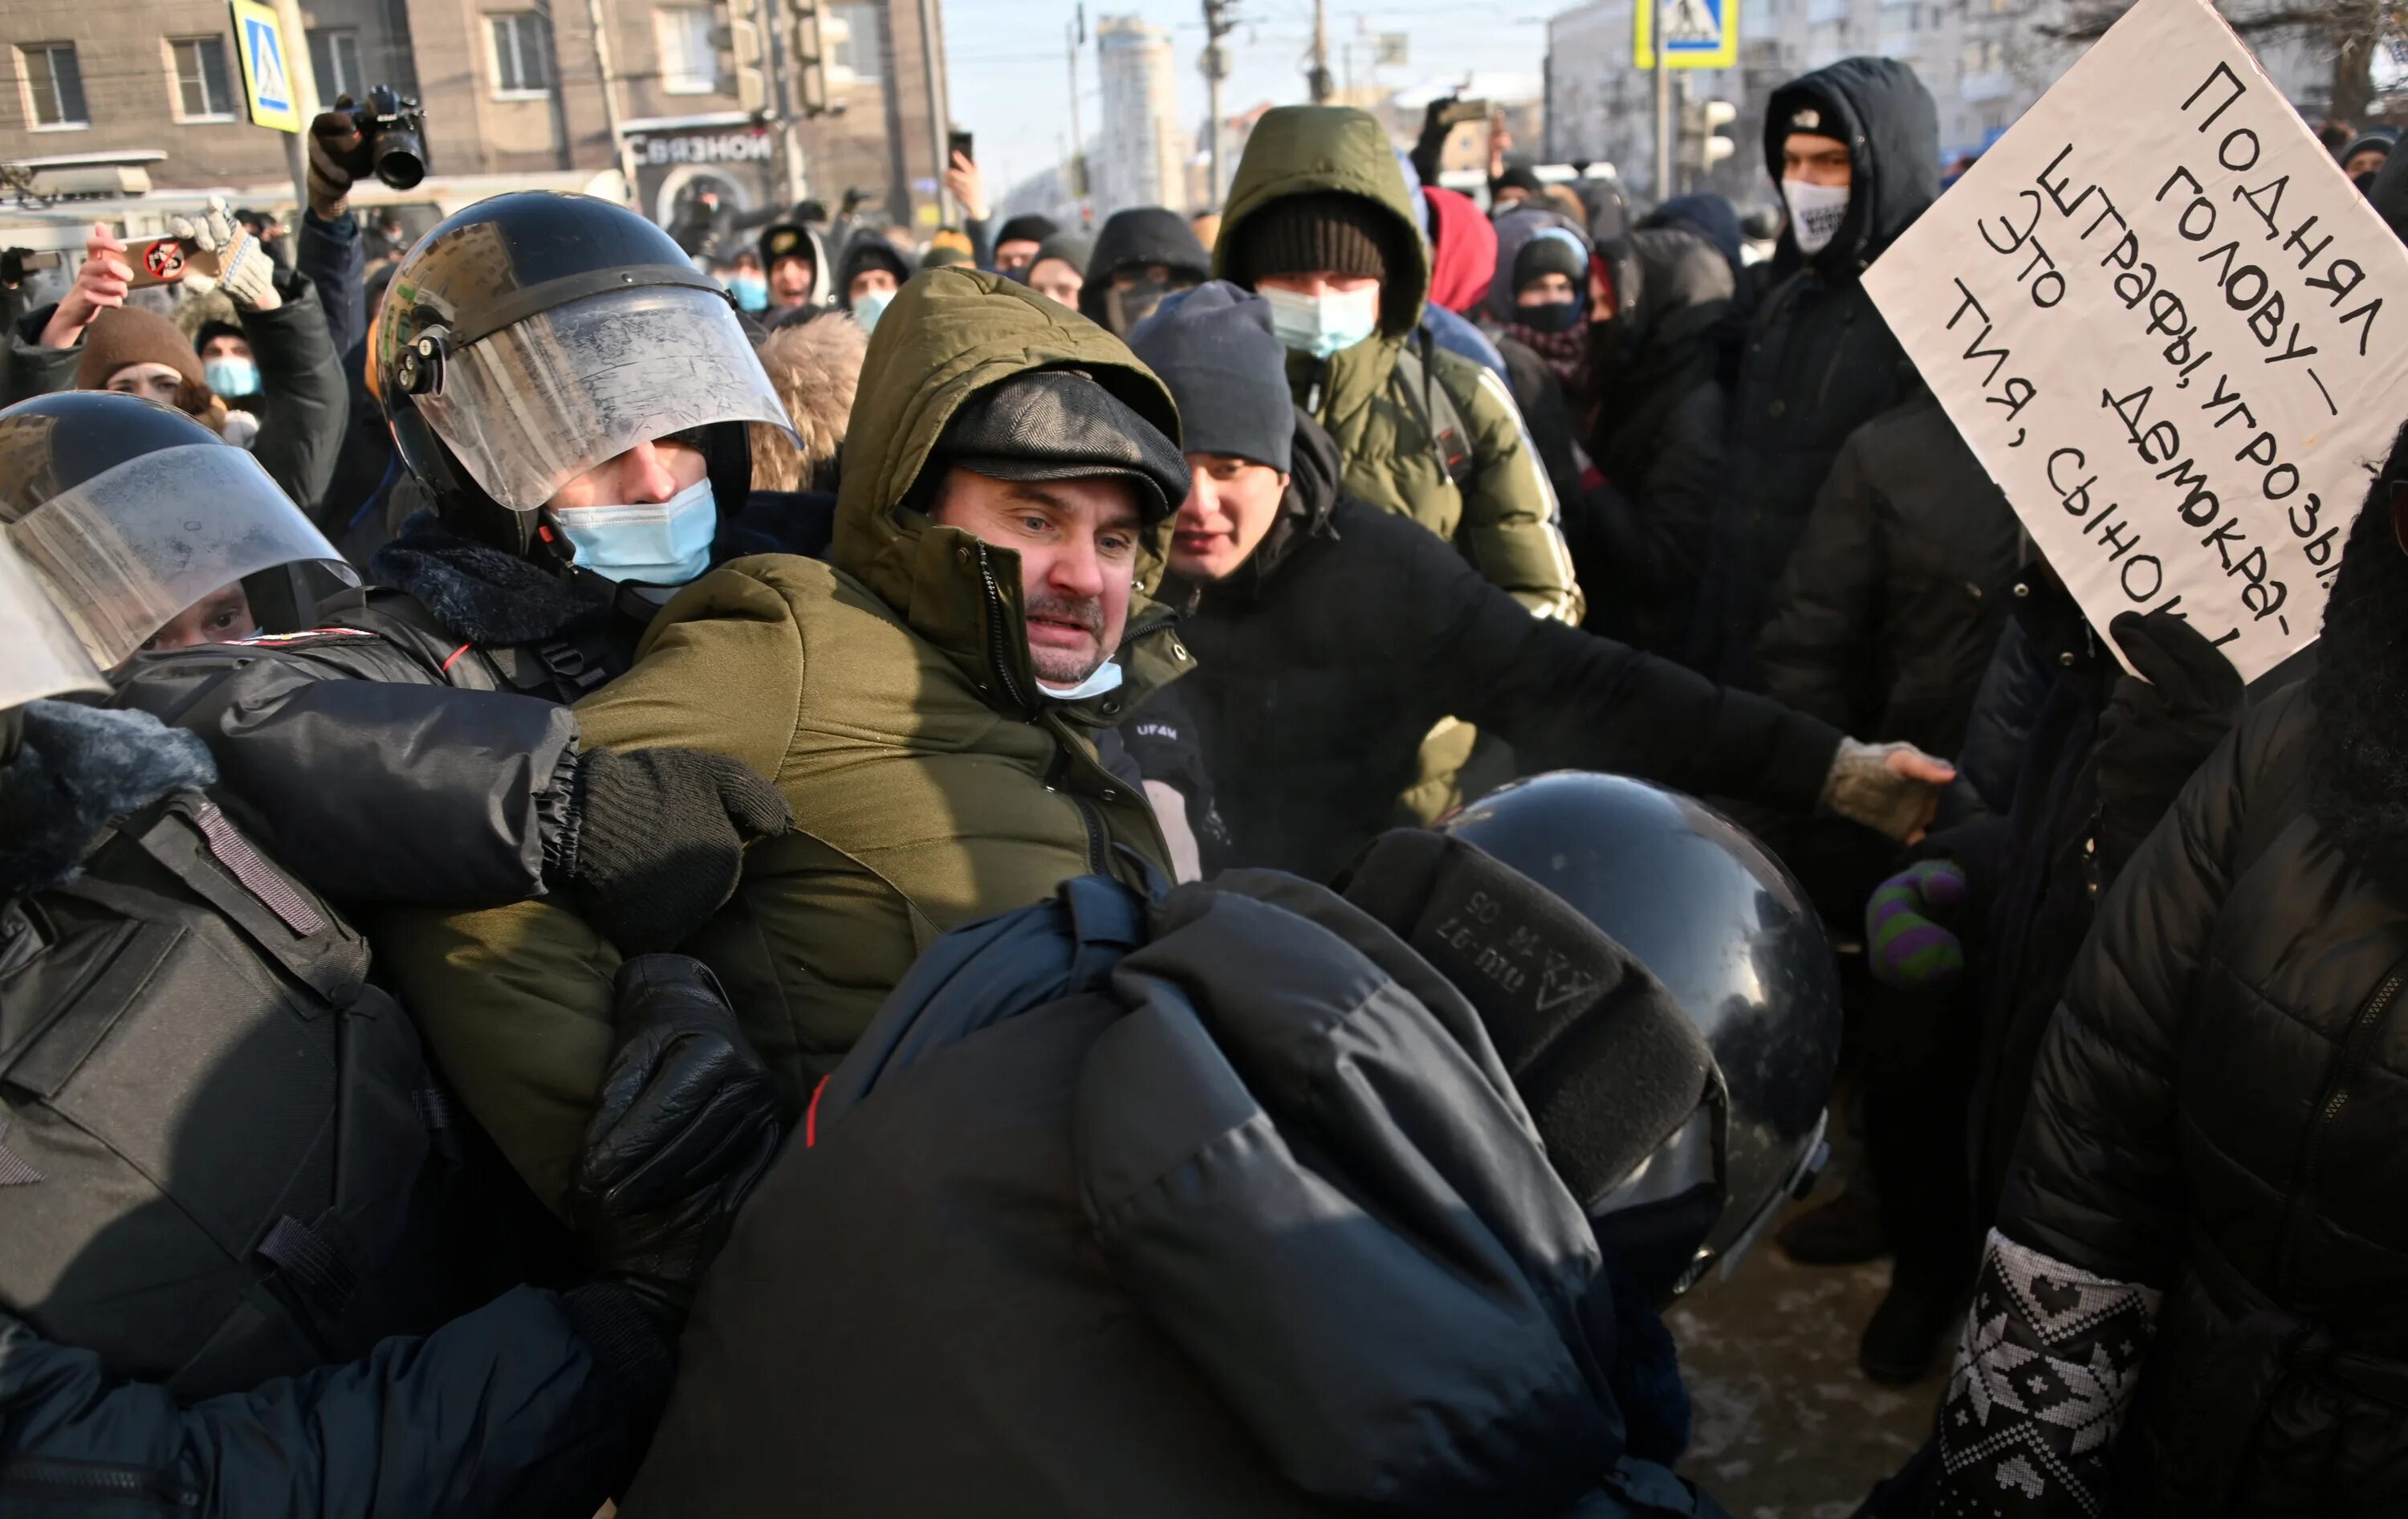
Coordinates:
<point>1059,424</point>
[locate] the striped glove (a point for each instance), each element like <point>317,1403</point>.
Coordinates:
<point>1907,948</point>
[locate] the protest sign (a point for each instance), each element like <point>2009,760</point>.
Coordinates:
<point>2170,329</point>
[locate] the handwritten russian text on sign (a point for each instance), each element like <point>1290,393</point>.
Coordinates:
<point>2171,331</point>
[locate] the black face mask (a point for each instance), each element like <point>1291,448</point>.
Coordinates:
<point>1551,316</point>
<point>1125,307</point>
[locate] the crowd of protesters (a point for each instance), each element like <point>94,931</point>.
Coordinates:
<point>757,866</point>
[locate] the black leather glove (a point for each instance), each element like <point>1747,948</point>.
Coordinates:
<point>2156,731</point>
<point>655,842</point>
<point>686,1125</point>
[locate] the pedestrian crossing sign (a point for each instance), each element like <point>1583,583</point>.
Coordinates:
<point>266,76</point>
<point>1698,33</point>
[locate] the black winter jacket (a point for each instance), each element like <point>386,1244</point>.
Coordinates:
<point>192,1047</point>
<point>1819,361</point>
<point>1886,617</point>
<point>1085,1225</point>
<point>2215,1141</point>
<point>1659,422</point>
<point>1325,660</point>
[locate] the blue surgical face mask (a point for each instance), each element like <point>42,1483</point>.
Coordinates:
<point>868,307</point>
<point>750,291</point>
<point>654,542</point>
<point>1325,325</point>
<point>230,376</point>
<point>1104,677</point>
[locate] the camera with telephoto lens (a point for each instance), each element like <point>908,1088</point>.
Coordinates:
<point>393,138</point>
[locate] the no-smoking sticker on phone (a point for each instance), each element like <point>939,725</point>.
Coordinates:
<point>164,259</point>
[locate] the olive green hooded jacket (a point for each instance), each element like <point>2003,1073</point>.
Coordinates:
<point>889,696</point>
<point>1505,517</point>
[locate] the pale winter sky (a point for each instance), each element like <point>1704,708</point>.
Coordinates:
<point>1010,76</point>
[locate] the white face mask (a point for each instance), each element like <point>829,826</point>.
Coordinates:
<point>1815,211</point>
<point>1322,325</point>
<point>869,306</point>
<point>653,542</point>
<point>1105,677</point>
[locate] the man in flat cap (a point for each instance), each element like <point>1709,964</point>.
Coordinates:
<point>925,701</point>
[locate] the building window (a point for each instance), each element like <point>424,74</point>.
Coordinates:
<point>864,48</point>
<point>53,86</point>
<point>520,65</point>
<point>202,91</point>
<point>334,57</point>
<point>689,50</point>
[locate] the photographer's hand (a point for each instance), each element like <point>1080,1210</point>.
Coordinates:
<point>334,147</point>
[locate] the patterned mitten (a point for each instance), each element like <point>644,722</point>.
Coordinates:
<point>1910,949</point>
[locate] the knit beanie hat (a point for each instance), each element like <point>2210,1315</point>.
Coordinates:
<point>1552,252</point>
<point>123,334</point>
<point>1213,347</point>
<point>1030,228</point>
<point>214,328</point>
<point>1325,231</point>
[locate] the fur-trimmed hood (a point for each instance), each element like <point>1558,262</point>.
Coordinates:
<point>77,771</point>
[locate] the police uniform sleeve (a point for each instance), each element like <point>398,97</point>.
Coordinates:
<point>516,1001</point>
<point>1512,523</point>
<point>370,783</point>
<point>520,1408</point>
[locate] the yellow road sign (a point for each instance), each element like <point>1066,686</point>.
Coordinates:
<point>267,68</point>
<point>1699,33</point>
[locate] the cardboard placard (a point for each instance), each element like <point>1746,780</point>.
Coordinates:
<point>2170,329</point>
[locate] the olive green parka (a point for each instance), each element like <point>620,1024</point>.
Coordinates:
<point>1505,516</point>
<point>889,696</point>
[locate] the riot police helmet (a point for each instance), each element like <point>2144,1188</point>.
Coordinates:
<point>534,335</point>
<point>131,512</point>
<point>1729,933</point>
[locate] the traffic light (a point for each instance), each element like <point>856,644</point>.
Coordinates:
<point>817,37</point>
<point>1703,144</point>
<point>746,44</point>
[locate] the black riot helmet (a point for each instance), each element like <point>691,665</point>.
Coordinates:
<point>1729,933</point>
<point>534,335</point>
<point>129,512</point>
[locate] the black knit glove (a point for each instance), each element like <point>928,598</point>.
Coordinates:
<point>2156,731</point>
<point>686,1125</point>
<point>654,840</point>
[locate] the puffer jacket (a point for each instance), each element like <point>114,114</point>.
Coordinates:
<point>2214,1149</point>
<point>1505,517</point>
<point>888,694</point>
<point>1819,361</point>
<point>1081,1229</point>
<point>1886,617</point>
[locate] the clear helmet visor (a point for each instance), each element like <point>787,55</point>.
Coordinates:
<point>45,658</point>
<point>126,550</point>
<point>530,408</point>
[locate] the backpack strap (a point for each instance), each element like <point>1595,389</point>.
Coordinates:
<point>1434,408</point>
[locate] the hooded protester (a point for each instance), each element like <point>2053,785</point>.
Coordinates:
<point>926,697</point>
<point>1855,149</point>
<point>1059,270</point>
<point>295,402</point>
<point>794,262</point>
<point>1658,418</point>
<point>1269,1199</point>
<point>1141,254</point>
<point>1539,308</point>
<point>2200,1243</point>
<point>248,1266</point>
<point>1330,635</point>
<point>1318,215</point>
<point>1463,250</point>
<point>871,271</point>
<point>1449,330</point>
<point>1018,241</point>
